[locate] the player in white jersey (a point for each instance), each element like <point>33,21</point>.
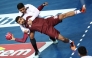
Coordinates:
<point>83,52</point>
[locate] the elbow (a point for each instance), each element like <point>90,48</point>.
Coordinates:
<point>19,40</point>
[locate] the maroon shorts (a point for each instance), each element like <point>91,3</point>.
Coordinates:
<point>48,27</point>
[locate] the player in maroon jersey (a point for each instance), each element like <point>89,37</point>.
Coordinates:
<point>46,26</point>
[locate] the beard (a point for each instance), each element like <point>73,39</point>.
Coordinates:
<point>23,23</point>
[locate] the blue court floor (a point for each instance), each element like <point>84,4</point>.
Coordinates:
<point>77,28</point>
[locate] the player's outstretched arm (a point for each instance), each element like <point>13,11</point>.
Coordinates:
<point>42,6</point>
<point>25,36</point>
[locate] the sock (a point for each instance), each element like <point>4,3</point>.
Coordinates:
<point>70,41</point>
<point>77,11</point>
<point>53,39</point>
<point>33,41</point>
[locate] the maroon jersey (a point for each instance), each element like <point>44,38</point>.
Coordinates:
<point>37,25</point>
<point>25,36</point>
<point>45,26</point>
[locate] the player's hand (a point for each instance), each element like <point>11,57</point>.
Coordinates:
<point>13,37</point>
<point>26,31</point>
<point>29,22</point>
<point>45,3</point>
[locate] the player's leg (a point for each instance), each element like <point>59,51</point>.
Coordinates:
<point>54,20</point>
<point>52,32</point>
<point>71,13</point>
<point>33,41</point>
<point>66,40</point>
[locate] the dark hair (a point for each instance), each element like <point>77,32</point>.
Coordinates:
<point>20,5</point>
<point>82,50</point>
<point>17,18</point>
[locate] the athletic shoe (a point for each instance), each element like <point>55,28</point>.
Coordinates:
<point>83,9</point>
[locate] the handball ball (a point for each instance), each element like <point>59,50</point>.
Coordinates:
<point>9,36</point>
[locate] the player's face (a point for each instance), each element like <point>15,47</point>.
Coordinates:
<point>23,10</point>
<point>21,21</point>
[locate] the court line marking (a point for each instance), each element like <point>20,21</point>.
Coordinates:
<point>78,44</point>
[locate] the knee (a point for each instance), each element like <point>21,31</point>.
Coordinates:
<point>60,16</point>
<point>60,37</point>
<point>31,38</point>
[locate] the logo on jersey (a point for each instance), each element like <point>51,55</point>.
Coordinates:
<point>8,20</point>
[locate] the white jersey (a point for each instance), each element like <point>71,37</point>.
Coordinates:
<point>31,11</point>
<point>23,29</point>
<point>86,57</point>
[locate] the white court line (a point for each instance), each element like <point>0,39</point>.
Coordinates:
<point>86,31</point>
<point>81,39</point>
<point>83,35</point>
<point>9,25</point>
<point>90,22</point>
<point>88,27</point>
<point>78,44</point>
